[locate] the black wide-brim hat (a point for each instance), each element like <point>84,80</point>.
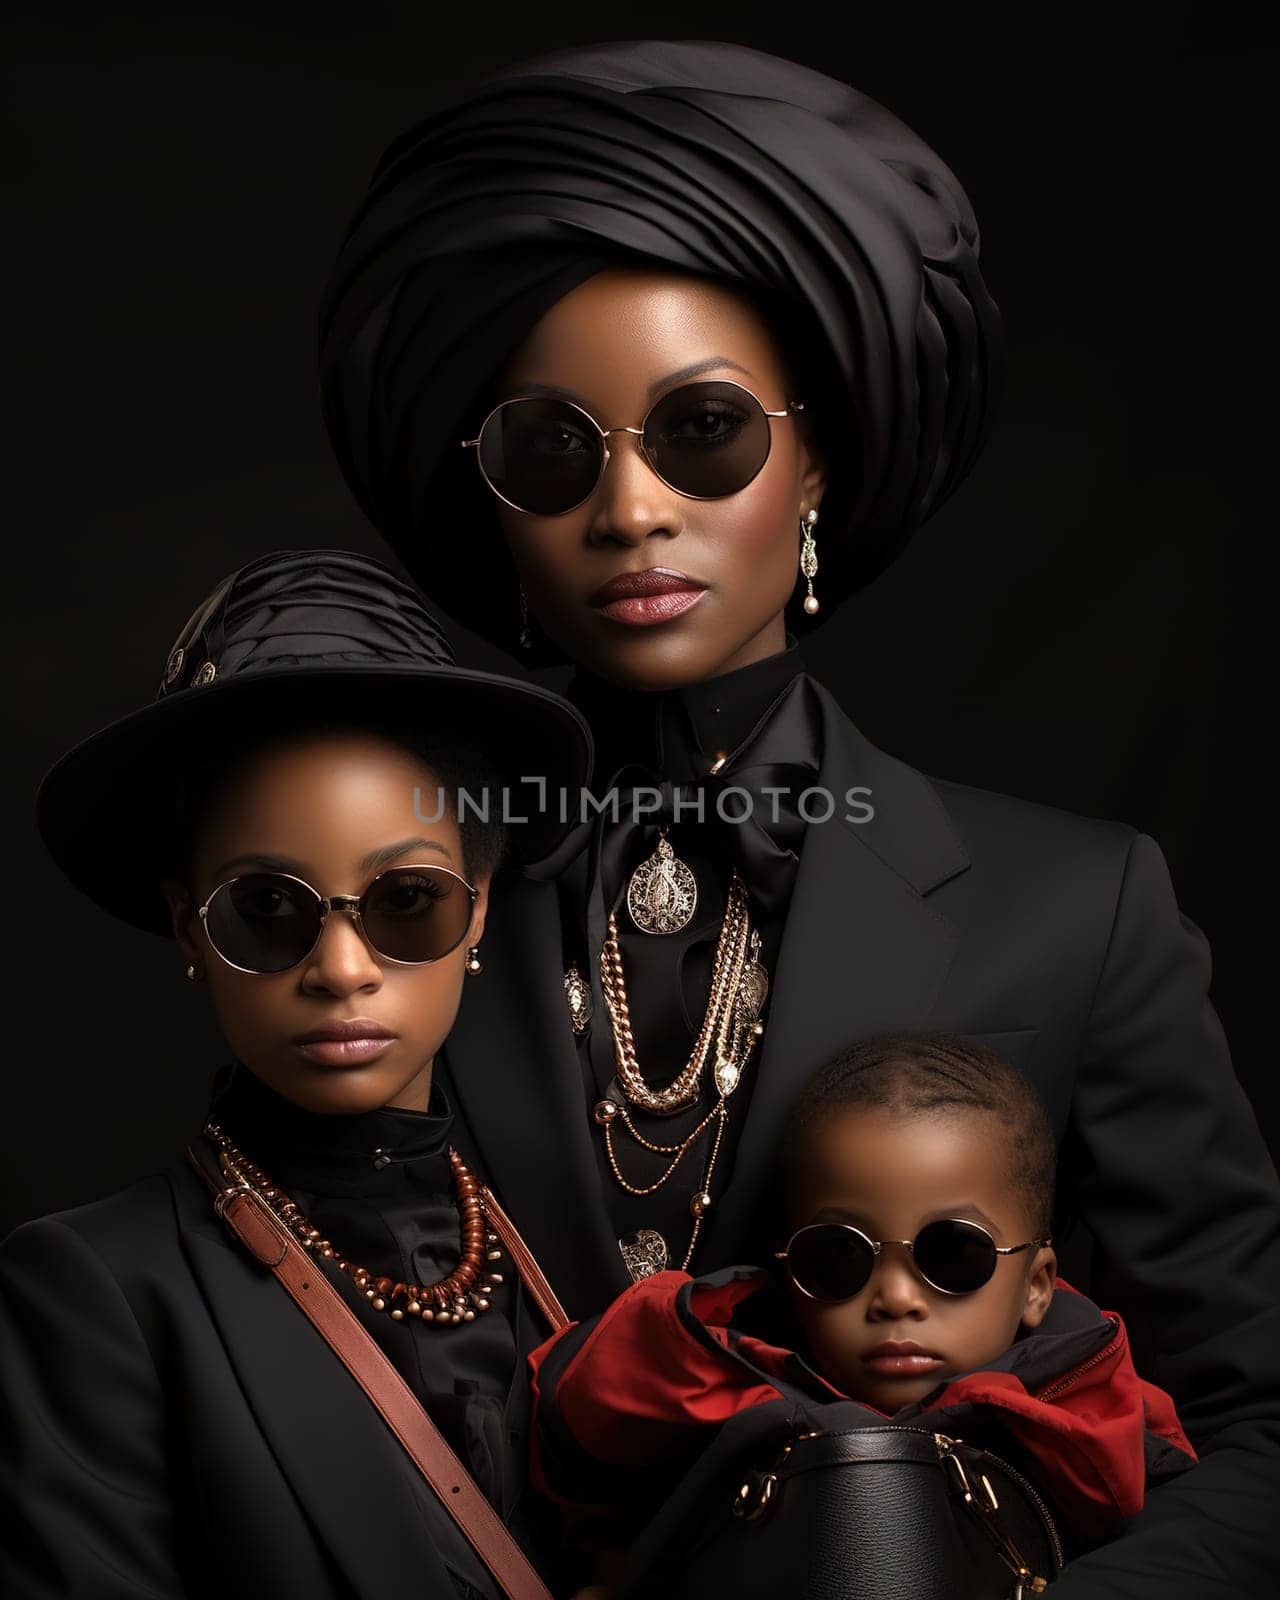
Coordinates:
<point>299,630</point>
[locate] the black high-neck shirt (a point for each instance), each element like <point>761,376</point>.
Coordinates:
<point>678,734</point>
<point>379,1185</point>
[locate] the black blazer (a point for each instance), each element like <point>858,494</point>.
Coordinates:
<point>171,1425</point>
<point>1057,939</point>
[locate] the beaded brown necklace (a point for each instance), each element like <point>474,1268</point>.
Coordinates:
<point>459,1297</point>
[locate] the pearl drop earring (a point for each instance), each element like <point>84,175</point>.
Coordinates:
<point>809,558</point>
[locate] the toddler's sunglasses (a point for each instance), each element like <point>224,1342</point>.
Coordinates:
<point>270,921</point>
<point>545,455</point>
<point>833,1261</point>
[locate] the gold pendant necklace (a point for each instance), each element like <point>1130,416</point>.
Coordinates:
<point>725,1025</point>
<point>645,1252</point>
<point>731,1026</point>
<point>662,893</point>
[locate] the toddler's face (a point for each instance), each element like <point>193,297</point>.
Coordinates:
<point>889,1175</point>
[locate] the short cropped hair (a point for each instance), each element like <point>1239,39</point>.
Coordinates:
<point>924,1072</point>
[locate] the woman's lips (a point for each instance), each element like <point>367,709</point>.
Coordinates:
<point>654,595</point>
<point>901,1360</point>
<point>652,608</point>
<point>345,1043</point>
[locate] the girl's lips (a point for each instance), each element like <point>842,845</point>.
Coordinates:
<point>644,610</point>
<point>344,1052</point>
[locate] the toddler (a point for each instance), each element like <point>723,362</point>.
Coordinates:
<point>917,1173</point>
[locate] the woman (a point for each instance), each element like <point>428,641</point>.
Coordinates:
<point>170,1424</point>
<point>537,268</point>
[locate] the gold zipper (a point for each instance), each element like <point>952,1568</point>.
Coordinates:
<point>947,1451</point>
<point>1063,1384</point>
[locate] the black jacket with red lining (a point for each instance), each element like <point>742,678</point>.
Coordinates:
<point>663,1381</point>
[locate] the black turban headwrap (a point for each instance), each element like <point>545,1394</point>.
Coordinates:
<point>697,155</point>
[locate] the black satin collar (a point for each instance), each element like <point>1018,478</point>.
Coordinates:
<point>764,718</point>
<point>369,1153</point>
<point>679,732</point>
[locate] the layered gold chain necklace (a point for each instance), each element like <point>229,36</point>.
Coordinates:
<point>730,1029</point>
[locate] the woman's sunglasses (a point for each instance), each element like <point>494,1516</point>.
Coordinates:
<point>270,921</point>
<point>833,1261</point>
<point>546,456</point>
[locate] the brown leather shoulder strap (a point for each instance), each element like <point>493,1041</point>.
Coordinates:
<point>266,1238</point>
<point>544,1296</point>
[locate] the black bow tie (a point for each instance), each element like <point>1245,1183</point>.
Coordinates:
<point>751,796</point>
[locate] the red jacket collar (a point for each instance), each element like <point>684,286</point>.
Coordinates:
<point>1067,1390</point>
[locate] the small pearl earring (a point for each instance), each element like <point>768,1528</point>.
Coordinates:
<point>809,558</point>
<point>191,972</point>
<point>473,959</point>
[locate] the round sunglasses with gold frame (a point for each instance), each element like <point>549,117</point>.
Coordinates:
<point>545,455</point>
<point>267,922</point>
<point>833,1261</point>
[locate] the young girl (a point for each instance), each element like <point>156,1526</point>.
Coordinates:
<point>918,1171</point>
<point>690,339</point>
<point>313,810</point>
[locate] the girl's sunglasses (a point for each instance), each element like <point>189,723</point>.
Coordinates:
<point>270,921</point>
<point>546,456</point>
<point>833,1261</point>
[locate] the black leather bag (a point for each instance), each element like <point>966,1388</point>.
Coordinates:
<point>876,1513</point>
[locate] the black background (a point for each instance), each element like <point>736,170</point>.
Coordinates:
<point>1083,625</point>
